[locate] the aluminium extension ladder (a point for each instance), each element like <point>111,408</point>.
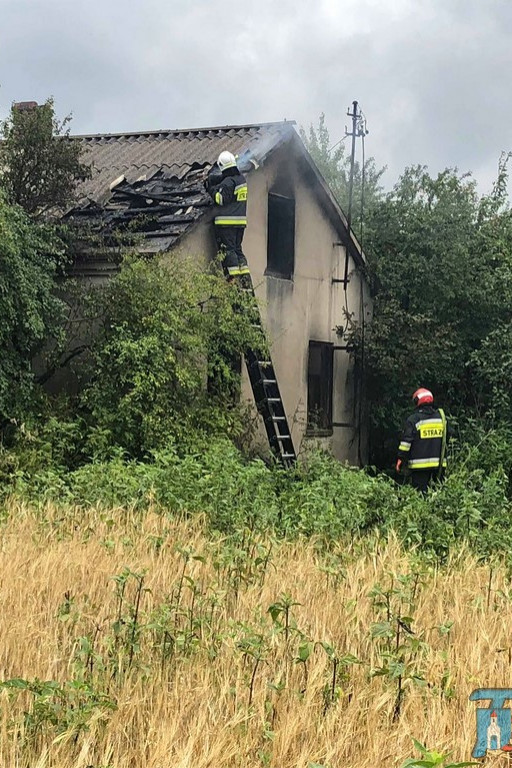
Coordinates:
<point>267,395</point>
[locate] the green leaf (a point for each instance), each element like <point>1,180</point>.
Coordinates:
<point>382,629</point>
<point>305,650</point>
<point>16,682</point>
<point>460,765</point>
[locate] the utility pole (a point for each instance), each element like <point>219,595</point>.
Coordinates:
<point>358,129</point>
<point>354,115</point>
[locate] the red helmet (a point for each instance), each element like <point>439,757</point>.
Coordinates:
<point>423,396</point>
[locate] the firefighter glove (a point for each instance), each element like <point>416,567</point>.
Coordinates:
<point>398,465</point>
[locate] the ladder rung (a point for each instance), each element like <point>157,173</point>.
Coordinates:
<point>261,373</point>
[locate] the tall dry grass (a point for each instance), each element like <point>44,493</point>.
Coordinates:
<point>188,706</point>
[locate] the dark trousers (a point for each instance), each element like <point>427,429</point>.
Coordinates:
<point>422,478</point>
<point>229,243</point>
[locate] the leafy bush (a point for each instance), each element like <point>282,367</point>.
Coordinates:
<point>66,708</point>
<point>164,362</point>
<point>320,497</point>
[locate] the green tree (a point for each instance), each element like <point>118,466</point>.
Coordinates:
<point>40,164</point>
<point>440,260</point>
<point>30,310</point>
<point>39,169</point>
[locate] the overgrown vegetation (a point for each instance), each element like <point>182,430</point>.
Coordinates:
<point>154,354</point>
<point>442,270</point>
<point>319,498</point>
<point>165,357</point>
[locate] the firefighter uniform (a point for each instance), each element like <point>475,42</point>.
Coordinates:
<point>422,445</point>
<point>230,198</point>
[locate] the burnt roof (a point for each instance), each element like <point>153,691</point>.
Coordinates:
<point>173,153</point>
<point>152,213</point>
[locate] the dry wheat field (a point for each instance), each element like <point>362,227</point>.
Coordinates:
<point>138,640</point>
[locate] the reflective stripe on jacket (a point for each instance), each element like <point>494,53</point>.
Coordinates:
<point>422,439</point>
<point>230,199</point>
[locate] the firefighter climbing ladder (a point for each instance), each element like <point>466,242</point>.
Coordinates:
<point>268,397</point>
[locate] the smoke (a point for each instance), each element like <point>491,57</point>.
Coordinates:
<point>259,147</point>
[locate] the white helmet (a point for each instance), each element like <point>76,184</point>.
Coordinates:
<point>226,160</point>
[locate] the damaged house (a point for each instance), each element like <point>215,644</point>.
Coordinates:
<point>307,268</point>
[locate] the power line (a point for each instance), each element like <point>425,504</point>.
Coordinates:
<point>363,179</point>
<point>338,142</point>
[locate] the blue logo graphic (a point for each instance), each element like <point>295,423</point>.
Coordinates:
<point>493,723</point>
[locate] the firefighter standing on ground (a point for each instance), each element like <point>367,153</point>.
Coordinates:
<point>423,444</point>
<point>229,193</point>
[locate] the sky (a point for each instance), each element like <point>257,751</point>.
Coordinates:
<point>433,78</point>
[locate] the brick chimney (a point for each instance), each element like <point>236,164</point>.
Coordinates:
<point>25,106</point>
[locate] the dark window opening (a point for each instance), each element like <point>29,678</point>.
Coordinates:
<point>281,236</point>
<point>320,371</point>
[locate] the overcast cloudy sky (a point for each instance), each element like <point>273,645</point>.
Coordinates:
<point>433,77</point>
